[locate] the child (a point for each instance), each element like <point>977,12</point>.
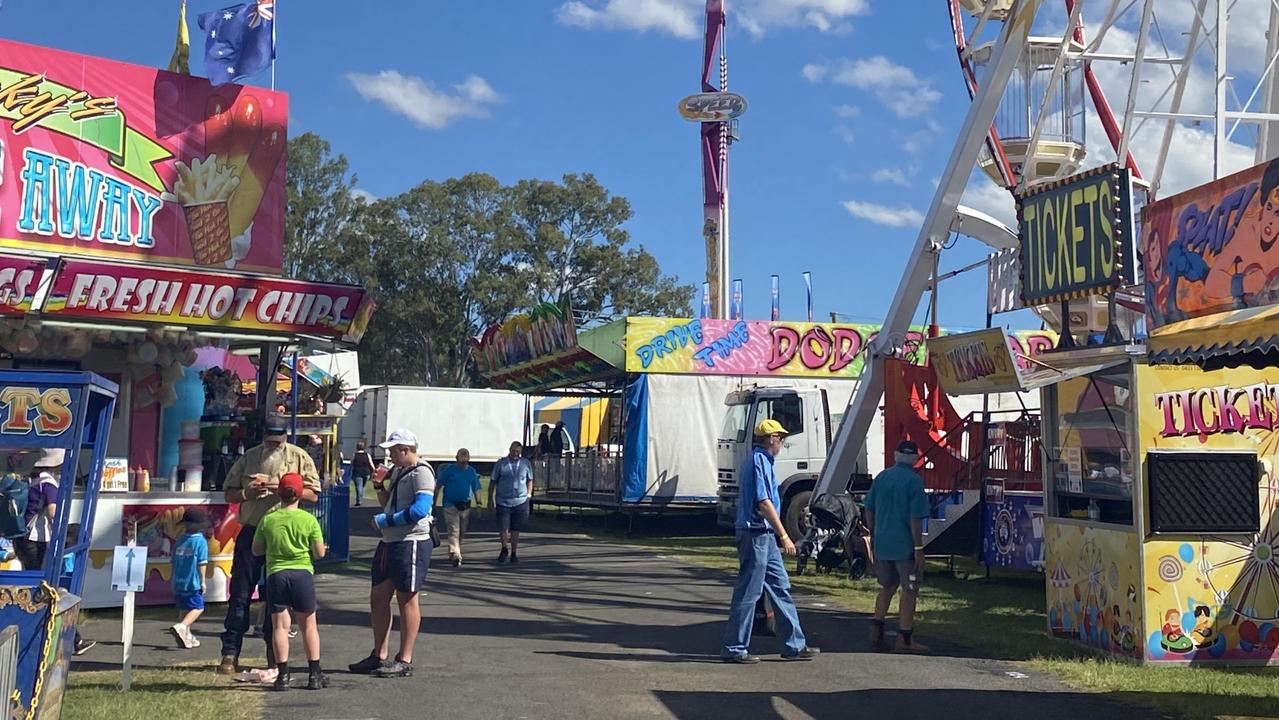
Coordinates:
<point>290,538</point>
<point>81,646</point>
<point>190,562</point>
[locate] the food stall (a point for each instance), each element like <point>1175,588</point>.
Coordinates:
<point>68,413</point>
<point>141,238</point>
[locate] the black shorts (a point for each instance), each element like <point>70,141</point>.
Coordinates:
<point>291,590</point>
<point>513,518</point>
<point>404,563</point>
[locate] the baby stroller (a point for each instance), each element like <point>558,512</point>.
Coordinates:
<point>836,535</point>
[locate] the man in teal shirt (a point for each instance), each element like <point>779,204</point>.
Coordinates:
<point>895,509</point>
<point>460,482</point>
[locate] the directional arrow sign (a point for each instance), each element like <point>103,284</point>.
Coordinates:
<point>129,568</point>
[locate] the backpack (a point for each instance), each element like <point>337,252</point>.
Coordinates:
<point>14,492</point>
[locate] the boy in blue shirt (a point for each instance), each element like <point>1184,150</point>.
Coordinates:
<point>189,563</point>
<point>460,483</point>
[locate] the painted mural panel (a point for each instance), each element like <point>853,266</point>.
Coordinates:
<point>1214,598</point>
<point>1093,578</point>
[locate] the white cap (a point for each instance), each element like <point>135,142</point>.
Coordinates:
<point>51,458</point>
<point>400,437</point>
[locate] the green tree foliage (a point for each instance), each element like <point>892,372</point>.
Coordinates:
<point>444,260</point>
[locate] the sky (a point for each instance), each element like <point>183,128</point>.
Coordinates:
<point>854,106</point>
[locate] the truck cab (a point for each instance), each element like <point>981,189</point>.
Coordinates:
<point>806,414</point>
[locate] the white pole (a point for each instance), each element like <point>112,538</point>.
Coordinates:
<point>126,625</point>
<point>1219,125</point>
<point>275,15</point>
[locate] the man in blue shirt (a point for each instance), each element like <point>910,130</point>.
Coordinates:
<point>510,493</point>
<point>760,561</point>
<point>895,509</point>
<point>460,482</point>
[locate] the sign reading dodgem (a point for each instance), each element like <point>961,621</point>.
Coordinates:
<point>712,107</point>
<point>1076,236</point>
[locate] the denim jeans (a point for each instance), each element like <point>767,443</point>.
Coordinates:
<point>761,570</point>
<point>246,573</point>
<point>359,487</point>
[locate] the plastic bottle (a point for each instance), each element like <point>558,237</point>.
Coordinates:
<point>145,480</point>
<point>1094,512</point>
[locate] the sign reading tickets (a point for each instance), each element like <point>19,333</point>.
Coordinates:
<point>1073,234</point>
<point>973,362</point>
<point>758,348</point>
<point>104,159</point>
<point>116,291</point>
<point>1212,248</point>
<point>30,412</point>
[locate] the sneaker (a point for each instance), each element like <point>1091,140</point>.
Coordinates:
<point>368,665</point>
<point>457,561</point>
<point>293,631</point>
<point>316,680</point>
<point>83,647</point>
<point>743,659</point>
<point>195,641</point>
<point>808,653</point>
<point>398,668</point>
<point>179,633</point>
<point>282,681</point>
<point>228,666</point>
<point>913,646</point>
<point>502,556</point>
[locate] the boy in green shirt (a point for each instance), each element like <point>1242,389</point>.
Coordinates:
<point>289,538</point>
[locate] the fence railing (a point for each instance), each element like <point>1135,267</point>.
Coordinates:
<point>592,477</point>
<point>333,510</point>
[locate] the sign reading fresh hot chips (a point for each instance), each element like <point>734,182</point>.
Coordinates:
<point>104,159</point>
<point>124,292</point>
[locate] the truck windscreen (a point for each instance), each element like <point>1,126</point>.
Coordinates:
<point>735,423</point>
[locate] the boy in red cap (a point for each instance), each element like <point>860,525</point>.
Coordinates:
<point>290,538</point>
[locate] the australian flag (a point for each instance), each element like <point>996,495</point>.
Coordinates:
<point>239,41</point>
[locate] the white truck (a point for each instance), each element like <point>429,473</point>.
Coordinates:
<point>485,422</point>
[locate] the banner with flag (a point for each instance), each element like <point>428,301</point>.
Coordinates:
<point>777,299</point>
<point>239,41</point>
<point>180,62</point>
<point>808,286</point>
<point>736,308</point>
<point>706,300</point>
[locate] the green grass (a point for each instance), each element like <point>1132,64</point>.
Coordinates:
<point>183,693</point>
<point>1002,618</point>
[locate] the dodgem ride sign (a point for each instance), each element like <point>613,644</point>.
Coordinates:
<point>712,107</point>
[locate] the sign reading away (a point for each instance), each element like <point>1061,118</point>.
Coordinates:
<point>1071,234</point>
<point>129,568</point>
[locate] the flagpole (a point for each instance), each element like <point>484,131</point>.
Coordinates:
<point>275,17</point>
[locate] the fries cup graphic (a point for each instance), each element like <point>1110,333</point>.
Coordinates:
<point>204,188</point>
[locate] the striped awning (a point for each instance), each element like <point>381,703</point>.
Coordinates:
<point>1227,333</point>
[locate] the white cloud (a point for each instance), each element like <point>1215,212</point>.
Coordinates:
<point>901,216</point>
<point>679,18</point>
<point>684,18</point>
<point>845,134</point>
<point>814,73</point>
<point>420,101</point>
<point>894,176</point>
<point>897,87</point>
<point>364,196</point>
<point>984,195</point>
<point>848,111</point>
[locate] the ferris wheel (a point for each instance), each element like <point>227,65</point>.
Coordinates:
<point>1189,85</point>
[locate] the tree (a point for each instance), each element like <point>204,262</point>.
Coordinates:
<point>320,205</point>
<point>573,251</point>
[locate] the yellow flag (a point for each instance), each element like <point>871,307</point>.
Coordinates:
<point>180,62</point>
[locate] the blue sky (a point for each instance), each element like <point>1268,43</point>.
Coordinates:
<point>854,105</point>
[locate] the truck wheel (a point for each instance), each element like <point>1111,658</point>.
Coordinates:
<point>795,513</point>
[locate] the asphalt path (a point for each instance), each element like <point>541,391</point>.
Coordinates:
<point>583,629</point>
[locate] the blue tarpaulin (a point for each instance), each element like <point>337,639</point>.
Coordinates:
<point>635,442</point>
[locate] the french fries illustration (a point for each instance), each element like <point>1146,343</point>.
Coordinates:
<point>204,188</point>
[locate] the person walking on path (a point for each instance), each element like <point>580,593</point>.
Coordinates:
<point>760,569</point>
<point>290,538</point>
<point>510,495</point>
<point>42,508</point>
<point>252,483</point>
<point>361,470</point>
<point>403,556</point>
<point>459,484</point>
<point>895,508</point>
<point>189,564</point>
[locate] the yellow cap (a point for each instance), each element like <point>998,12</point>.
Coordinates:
<point>769,427</point>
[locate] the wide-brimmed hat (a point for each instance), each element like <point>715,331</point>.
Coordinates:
<point>51,458</point>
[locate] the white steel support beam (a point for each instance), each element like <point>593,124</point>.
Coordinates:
<point>1219,89</point>
<point>856,422</point>
<point>1268,133</point>
<point>1134,84</point>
